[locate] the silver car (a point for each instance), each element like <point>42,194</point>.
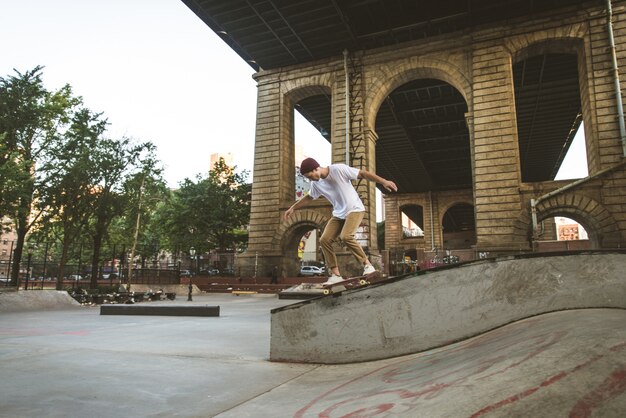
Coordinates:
<point>311,271</point>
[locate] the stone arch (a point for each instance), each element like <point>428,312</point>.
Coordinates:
<point>569,36</point>
<point>287,236</point>
<point>302,217</point>
<point>446,206</point>
<point>562,45</point>
<point>293,91</point>
<point>460,238</point>
<point>599,223</point>
<point>396,74</point>
<point>299,89</point>
<point>570,40</point>
<point>593,216</point>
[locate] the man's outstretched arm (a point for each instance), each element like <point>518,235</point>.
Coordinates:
<point>387,184</point>
<point>300,203</point>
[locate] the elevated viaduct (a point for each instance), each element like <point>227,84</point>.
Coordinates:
<point>470,107</point>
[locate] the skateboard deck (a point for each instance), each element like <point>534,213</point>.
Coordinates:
<point>352,282</point>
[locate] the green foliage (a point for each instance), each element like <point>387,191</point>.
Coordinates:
<point>209,213</point>
<point>30,121</point>
<point>72,189</point>
<point>380,235</point>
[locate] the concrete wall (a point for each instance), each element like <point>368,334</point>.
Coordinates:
<point>437,307</point>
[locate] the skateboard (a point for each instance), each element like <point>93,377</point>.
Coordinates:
<point>352,282</point>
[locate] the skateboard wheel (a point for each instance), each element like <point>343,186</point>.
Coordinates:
<point>363,282</point>
<point>326,291</point>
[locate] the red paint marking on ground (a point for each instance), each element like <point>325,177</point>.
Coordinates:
<point>300,413</point>
<point>519,396</point>
<point>618,347</point>
<point>546,342</point>
<point>365,412</point>
<point>372,410</point>
<point>380,409</point>
<point>613,386</point>
<point>553,379</point>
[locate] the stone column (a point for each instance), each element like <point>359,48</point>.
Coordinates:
<point>273,179</point>
<point>495,148</point>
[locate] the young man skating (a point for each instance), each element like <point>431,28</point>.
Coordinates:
<point>334,183</point>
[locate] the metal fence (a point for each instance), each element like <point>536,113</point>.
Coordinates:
<point>39,264</point>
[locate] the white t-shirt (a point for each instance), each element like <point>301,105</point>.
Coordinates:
<point>338,189</point>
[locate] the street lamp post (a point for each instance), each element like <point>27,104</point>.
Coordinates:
<point>192,253</point>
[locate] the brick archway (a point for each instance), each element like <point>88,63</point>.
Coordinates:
<point>565,36</point>
<point>601,226</point>
<point>396,74</point>
<point>289,233</point>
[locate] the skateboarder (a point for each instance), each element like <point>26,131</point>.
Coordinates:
<point>334,183</point>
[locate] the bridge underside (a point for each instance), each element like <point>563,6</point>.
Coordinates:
<point>470,107</point>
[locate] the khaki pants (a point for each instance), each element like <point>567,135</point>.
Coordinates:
<point>343,229</point>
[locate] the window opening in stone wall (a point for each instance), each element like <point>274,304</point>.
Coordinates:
<point>561,233</point>
<point>574,164</point>
<point>549,115</point>
<point>412,221</point>
<point>311,136</point>
<point>459,227</point>
<point>423,139</point>
<point>574,167</point>
<point>301,248</point>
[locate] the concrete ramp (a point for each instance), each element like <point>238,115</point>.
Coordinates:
<point>32,300</point>
<point>438,307</point>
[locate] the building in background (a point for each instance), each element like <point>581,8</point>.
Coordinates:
<point>569,230</point>
<point>228,159</point>
<point>7,241</point>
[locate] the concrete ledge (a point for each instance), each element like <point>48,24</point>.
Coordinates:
<point>160,310</point>
<point>437,307</point>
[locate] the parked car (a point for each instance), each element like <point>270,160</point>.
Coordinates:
<point>186,273</point>
<point>311,271</point>
<point>228,271</point>
<point>209,272</point>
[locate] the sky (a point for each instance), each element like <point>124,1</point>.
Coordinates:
<point>154,69</point>
<point>158,74</point>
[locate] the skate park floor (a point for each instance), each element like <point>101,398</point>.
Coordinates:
<point>73,362</point>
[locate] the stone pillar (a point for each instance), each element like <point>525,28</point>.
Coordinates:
<point>495,149</point>
<point>274,181</point>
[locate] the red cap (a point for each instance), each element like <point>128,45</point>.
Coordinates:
<point>308,164</point>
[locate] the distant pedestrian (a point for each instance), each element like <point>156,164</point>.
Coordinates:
<point>334,183</point>
<point>275,275</point>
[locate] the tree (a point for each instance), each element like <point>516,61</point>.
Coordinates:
<point>116,162</point>
<point>209,213</point>
<point>30,120</point>
<point>69,199</point>
<point>145,189</point>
